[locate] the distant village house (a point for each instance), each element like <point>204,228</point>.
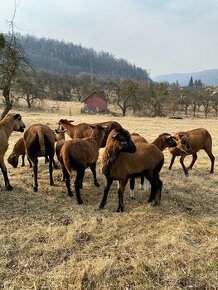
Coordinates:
<point>95,103</point>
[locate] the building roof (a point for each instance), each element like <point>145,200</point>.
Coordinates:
<point>94,92</point>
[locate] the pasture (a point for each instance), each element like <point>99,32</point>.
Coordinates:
<point>49,242</point>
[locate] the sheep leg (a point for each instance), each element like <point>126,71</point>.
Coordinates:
<point>109,181</point>
<point>23,162</point>
<point>142,178</point>
<point>157,197</point>
<point>55,164</point>
<point>67,179</point>
<point>132,186</point>
<point>183,166</point>
<point>122,185</point>
<point>194,158</point>
<point>172,161</point>
<point>153,191</point>
<point>51,171</point>
<point>46,159</point>
<point>212,159</point>
<point>77,184</point>
<point>35,173</point>
<point>29,162</point>
<point>5,174</point>
<point>93,169</point>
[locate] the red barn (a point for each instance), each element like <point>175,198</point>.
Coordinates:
<point>95,102</point>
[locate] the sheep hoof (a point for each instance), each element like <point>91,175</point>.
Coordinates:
<point>101,206</point>
<point>80,201</point>
<point>35,188</point>
<point>9,187</point>
<point>156,203</point>
<point>97,184</point>
<point>120,209</point>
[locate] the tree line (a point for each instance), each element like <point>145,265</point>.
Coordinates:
<point>146,98</point>
<point>62,58</point>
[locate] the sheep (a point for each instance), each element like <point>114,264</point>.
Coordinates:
<point>39,141</point>
<point>18,150</point>
<point>189,143</point>
<point>110,125</point>
<point>78,154</point>
<point>163,141</point>
<point>80,131</point>
<point>122,159</point>
<point>10,123</point>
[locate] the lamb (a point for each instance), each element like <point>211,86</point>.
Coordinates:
<point>119,164</point>
<point>10,123</point>
<point>78,154</point>
<point>80,131</point>
<point>18,150</point>
<point>189,143</point>
<point>163,141</point>
<point>39,141</point>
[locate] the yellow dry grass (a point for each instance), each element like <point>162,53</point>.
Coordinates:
<point>47,241</point>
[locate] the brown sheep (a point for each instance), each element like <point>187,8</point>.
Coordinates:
<point>10,123</point>
<point>190,143</point>
<point>78,154</point>
<point>18,150</point>
<point>109,126</point>
<point>118,164</point>
<point>163,141</point>
<point>80,131</point>
<point>39,141</point>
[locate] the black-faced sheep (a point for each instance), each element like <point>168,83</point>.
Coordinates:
<point>189,143</point>
<point>77,155</point>
<point>10,123</point>
<point>39,141</point>
<point>122,159</point>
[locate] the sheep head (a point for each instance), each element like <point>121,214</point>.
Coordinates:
<point>122,140</point>
<point>18,123</point>
<point>183,143</point>
<point>13,160</point>
<point>170,140</point>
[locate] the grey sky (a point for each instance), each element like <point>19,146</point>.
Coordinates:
<point>161,35</point>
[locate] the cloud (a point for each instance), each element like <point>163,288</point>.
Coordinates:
<point>163,35</point>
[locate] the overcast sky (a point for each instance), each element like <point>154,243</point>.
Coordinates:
<point>162,36</point>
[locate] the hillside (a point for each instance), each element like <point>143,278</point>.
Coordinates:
<point>208,77</point>
<point>67,58</point>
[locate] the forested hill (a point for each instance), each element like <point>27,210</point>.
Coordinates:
<point>67,58</point>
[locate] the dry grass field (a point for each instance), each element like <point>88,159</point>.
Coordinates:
<point>47,241</point>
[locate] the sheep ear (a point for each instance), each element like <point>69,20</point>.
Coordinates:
<point>71,121</point>
<point>180,135</point>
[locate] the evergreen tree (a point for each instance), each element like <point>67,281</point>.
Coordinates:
<point>191,83</point>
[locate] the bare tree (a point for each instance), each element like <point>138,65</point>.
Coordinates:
<point>12,60</point>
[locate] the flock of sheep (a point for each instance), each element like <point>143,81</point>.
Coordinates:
<point>125,156</point>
